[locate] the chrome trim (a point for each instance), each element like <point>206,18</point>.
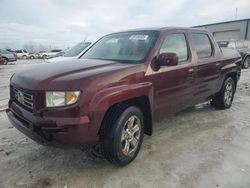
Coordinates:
<point>24,98</point>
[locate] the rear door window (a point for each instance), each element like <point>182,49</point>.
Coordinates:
<point>202,45</point>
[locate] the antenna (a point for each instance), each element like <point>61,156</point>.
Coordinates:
<point>236,13</point>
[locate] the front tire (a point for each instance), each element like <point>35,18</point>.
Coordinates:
<point>224,98</point>
<point>122,134</point>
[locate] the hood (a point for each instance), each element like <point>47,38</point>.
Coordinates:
<point>40,77</point>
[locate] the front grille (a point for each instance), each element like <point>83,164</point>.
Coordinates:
<point>24,98</point>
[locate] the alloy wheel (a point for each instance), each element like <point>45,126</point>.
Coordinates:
<point>228,96</point>
<point>131,135</point>
<point>247,62</point>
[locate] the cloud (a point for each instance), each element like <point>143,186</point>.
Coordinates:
<point>65,22</point>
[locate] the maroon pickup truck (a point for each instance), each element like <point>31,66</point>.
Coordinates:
<point>110,97</point>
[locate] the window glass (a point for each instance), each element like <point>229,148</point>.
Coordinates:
<point>131,47</point>
<point>202,45</point>
<point>175,43</point>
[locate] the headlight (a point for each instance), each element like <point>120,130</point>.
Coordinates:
<point>55,99</point>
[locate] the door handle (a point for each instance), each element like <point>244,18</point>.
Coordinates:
<point>217,64</point>
<point>191,70</point>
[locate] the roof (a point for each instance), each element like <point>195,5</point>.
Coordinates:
<point>162,29</point>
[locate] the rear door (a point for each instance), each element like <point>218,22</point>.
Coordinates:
<point>208,66</point>
<point>173,85</point>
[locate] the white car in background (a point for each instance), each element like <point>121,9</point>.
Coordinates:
<point>73,53</point>
<point>52,53</point>
<point>22,54</point>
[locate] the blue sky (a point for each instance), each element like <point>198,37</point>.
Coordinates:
<point>62,23</point>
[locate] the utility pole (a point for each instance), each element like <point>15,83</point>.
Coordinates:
<point>236,13</point>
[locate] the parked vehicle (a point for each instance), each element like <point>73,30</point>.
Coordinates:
<point>22,54</point>
<point>123,83</point>
<point>40,55</point>
<point>8,56</point>
<point>2,61</point>
<point>242,46</point>
<point>33,55</point>
<point>58,54</point>
<point>73,53</point>
<point>50,54</point>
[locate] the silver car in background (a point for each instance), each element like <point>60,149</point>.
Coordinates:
<point>22,54</point>
<point>8,56</point>
<point>50,54</point>
<point>243,48</point>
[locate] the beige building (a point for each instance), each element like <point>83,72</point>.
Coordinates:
<point>231,30</point>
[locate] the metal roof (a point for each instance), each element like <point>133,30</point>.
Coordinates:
<point>226,22</point>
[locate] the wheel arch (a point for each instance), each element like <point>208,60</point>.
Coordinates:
<point>244,58</point>
<point>230,70</point>
<point>247,55</point>
<point>143,104</point>
<point>233,75</point>
<point>139,95</point>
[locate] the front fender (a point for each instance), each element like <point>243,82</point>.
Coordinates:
<point>104,99</point>
<point>110,96</point>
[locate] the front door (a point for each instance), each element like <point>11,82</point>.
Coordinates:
<point>173,85</point>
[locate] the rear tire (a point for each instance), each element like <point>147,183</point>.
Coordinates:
<point>246,62</point>
<point>224,98</point>
<point>121,134</point>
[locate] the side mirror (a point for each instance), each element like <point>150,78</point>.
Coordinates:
<point>167,59</point>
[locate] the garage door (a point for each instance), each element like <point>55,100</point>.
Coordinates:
<point>227,35</point>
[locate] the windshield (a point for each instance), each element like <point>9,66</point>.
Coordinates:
<point>127,46</point>
<point>76,50</point>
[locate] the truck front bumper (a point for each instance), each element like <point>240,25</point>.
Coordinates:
<point>52,131</point>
